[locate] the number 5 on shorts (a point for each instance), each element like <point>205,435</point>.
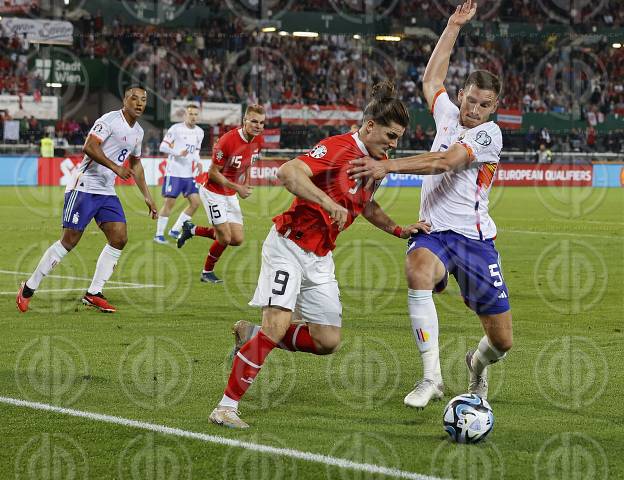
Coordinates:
<point>214,212</point>
<point>281,278</point>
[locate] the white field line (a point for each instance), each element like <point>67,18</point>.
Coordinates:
<point>82,289</point>
<point>228,442</point>
<point>144,285</point>
<point>567,234</point>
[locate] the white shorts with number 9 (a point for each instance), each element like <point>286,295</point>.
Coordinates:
<point>299,281</point>
<point>221,208</point>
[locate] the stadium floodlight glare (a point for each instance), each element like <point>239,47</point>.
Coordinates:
<point>66,2</point>
<point>269,29</point>
<point>305,34</point>
<point>388,38</point>
<point>283,33</point>
<point>54,85</point>
<point>356,36</point>
<point>617,45</point>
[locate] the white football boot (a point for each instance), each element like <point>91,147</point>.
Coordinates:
<point>424,391</point>
<point>478,383</point>
<point>227,417</point>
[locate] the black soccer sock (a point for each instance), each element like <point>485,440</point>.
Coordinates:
<point>27,292</point>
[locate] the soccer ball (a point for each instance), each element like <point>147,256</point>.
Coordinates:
<point>468,418</point>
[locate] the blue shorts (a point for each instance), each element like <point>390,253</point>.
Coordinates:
<point>81,207</point>
<point>174,186</point>
<point>475,264</point>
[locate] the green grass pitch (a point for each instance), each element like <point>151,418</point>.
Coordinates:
<point>162,358</point>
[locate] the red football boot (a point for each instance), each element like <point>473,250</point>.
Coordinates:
<point>98,301</point>
<point>21,301</point>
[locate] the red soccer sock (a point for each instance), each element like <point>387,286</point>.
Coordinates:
<point>247,364</point>
<point>205,232</point>
<point>213,257</point>
<point>298,339</point>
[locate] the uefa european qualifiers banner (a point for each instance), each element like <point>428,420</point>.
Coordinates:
<point>60,171</point>
<point>553,175</point>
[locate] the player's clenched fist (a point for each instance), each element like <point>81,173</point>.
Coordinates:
<point>244,190</point>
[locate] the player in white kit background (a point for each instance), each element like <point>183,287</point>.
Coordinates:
<point>115,138</point>
<point>454,201</point>
<point>182,143</point>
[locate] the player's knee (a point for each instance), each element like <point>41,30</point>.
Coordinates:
<point>503,345</point>
<point>327,338</point>
<point>224,239</point>
<point>419,278</point>
<point>328,345</point>
<point>236,241</point>
<point>120,242</point>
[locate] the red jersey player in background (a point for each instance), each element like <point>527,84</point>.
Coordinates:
<point>232,156</point>
<point>297,271</point>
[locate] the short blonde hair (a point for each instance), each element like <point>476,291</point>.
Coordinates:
<point>255,108</point>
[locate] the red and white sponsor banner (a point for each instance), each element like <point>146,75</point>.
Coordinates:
<point>264,172</point>
<point>509,119</point>
<point>517,175</point>
<point>271,138</point>
<point>298,114</point>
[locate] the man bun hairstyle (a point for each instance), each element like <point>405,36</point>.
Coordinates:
<point>385,107</point>
<point>485,81</point>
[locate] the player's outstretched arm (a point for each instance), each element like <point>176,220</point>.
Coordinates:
<point>456,158</point>
<point>437,68</point>
<point>378,217</point>
<point>295,176</point>
<point>139,179</point>
<point>93,150</point>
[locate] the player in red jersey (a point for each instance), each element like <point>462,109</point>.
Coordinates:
<point>232,157</point>
<point>297,271</point>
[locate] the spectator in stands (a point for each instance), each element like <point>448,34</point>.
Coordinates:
<point>543,155</point>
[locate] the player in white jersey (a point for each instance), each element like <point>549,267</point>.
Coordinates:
<point>114,139</point>
<point>182,143</point>
<point>454,201</point>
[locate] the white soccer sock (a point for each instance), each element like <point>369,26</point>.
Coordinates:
<point>485,355</point>
<point>161,224</point>
<point>228,402</point>
<point>51,258</point>
<point>177,227</point>
<point>424,319</point>
<point>104,268</point>
<point>193,229</point>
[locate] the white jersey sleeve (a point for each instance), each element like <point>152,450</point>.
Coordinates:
<point>102,128</point>
<point>136,150</point>
<point>444,110</point>
<point>485,142</point>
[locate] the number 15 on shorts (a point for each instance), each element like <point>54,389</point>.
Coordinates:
<point>496,274</point>
<point>214,212</point>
